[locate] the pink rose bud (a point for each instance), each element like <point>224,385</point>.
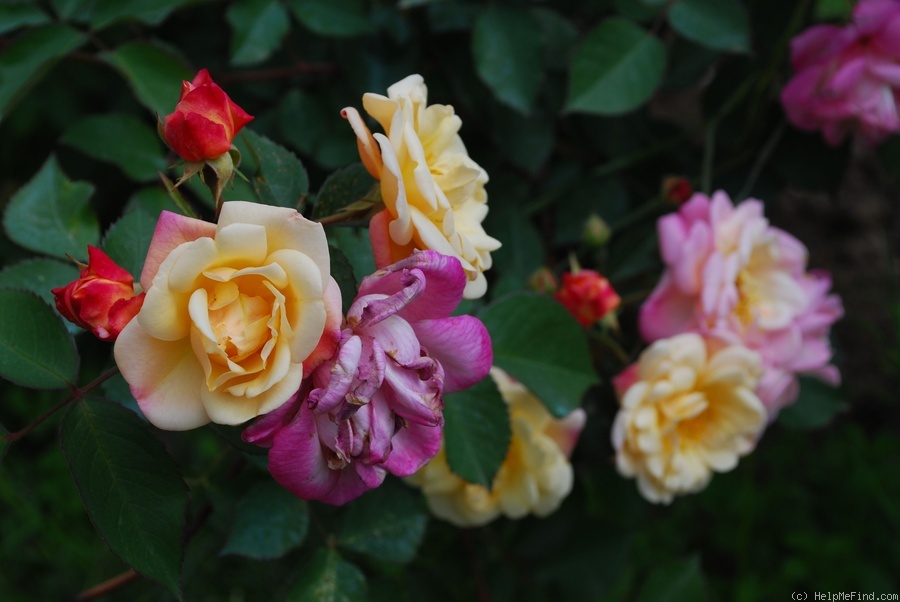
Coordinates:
<point>676,190</point>
<point>102,300</point>
<point>587,295</point>
<point>205,120</point>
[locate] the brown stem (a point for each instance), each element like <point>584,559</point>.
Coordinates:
<point>76,395</point>
<point>101,589</point>
<point>298,68</point>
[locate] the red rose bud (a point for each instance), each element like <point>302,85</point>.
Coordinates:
<point>205,120</point>
<point>676,190</point>
<point>102,300</point>
<point>587,295</point>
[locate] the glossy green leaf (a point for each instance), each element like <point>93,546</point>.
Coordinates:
<point>476,432</point>
<point>257,27</point>
<point>269,522</point>
<point>616,69</point>
<point>51,214</point>
<point>342,188</point>
<point>154,74</point>
<point>153,200</point>
<point>338,18</point>
<point>329,578</point>
<point>127,241</point>
<point>718,24</point>
<point>506,45</point>
<point>130,487</point>
<point>121,140</point>
<point>539,344</point>
<point>342,272</point>
<point>675,581</point>
<point>24,62</point>
<point>36,350</point>
<point>355,245</point>
<point>276,174</point>
<point>386,524</point>
<point>152,12</point>
<point>38,276</point>
<point>816,406</point>
<point>16,14</point>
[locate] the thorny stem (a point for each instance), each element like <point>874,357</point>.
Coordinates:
<point>101,589</point>
<point>77,394</point>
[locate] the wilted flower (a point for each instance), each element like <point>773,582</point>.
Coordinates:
<point>587,295</point>
<point>689,410</point>
<point>102,300</point>
<point>847,79</point>
<point>433,192</point>
<point>732,276</point>
<point>235,315</point>
<point>535,476</point>
<point>377,405</point>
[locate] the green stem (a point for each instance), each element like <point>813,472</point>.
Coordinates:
<point>764,155</point>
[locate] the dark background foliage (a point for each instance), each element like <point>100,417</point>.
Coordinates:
<point>575,107</point>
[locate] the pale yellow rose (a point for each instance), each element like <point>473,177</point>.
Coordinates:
<point>690,410</point>
<point>232,314</point>
<point>535,476</point>
<point>432,190</point>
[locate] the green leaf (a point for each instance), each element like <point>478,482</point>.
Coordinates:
<point>355,245</point>
<point>522,252</point>
<point>329,578</point>
<point>14,15</point>
<point>476,432</point>
<point>151,12</point>
<point>675,581</point>
<point>342,188</point>
<point>130,487</point>
<point>302,119</point>
<point>154,74</point>
<point>816,406</point>
<point>506,46</point>
<point>27,60</point>
<point>338,18</point>
<point>258,27</point>
<point>127,241</point>
<point>277,175</point>
<point>526,141</point>
<point>342,272</point>
<point>38,276</point>
<point>153,200</point>
<point>616,69</point>
<point>833,10</point>
<point>539,344</point>
<point>718,24</point>
<point>386,524</point>
<point>557,39</point>
<point>36,350</point>
<point>121,140</point>
<point>269,523</point>
<point>51,214</point>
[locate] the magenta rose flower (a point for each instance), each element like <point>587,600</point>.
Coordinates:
<point>731,276</point>
<point>376,406</point>
<point>847,79</point>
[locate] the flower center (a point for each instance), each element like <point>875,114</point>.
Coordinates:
<point>238,320</point>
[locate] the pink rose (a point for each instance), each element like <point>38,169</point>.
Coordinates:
<point>731,276</point>
<point>847,79</point>
<point>376,406</point>
<point>205,120</point>
<point>587,295</point>
<point>102,300</point>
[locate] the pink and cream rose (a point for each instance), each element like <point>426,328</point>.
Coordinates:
<point>731,276</point>
<point>235,315</point>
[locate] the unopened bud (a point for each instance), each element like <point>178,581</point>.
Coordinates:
<point>596,231</point>
<point>676,190</point>
<point>543,281</point>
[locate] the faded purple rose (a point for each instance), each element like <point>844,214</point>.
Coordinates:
<point>376,406</point>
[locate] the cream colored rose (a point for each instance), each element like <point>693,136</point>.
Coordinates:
<point>232,313</point>
<point>432,190</point>
<point>535,476</point>
<point>690,411</point>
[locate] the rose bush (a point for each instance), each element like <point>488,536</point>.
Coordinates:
<point>235,314</point>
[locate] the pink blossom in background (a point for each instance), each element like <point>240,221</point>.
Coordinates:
<point>731,276</point>
<point>847,79</point>
<point>377,405</point>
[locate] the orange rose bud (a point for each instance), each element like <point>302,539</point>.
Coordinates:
<point>102,300</point>
<point>587,295</point>
<point>676,190</point>
<point>205,120</point>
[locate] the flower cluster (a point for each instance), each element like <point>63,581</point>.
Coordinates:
<point>847,79</point>
<point>535,476</point>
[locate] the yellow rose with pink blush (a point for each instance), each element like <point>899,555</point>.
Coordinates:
<point>236,313</point>
<point>432,190</point>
